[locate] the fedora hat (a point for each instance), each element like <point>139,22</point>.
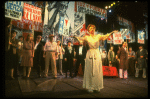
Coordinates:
<point>39,36</point>
<point>51,35</point>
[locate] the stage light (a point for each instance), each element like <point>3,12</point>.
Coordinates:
<point>114,3</point>
<point>109,6</point>
<point>109,10</point>
<point>106,7</point>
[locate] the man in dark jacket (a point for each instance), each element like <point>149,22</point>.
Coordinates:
<point>38,48</point>
<point>123,55</point>
<point>141,55</point>
<point>80,56</point>
<point>69,58</point>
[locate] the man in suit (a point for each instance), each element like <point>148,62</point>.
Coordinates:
<point>80,56</point>
<point>38,55</point>
<point>123,55</point>
<point>69,58</point>
<point>141,55</point>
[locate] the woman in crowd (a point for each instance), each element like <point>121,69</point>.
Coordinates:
<point>28,54</point>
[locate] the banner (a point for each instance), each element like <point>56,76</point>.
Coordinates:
<point>61,25</point>
<point>14,9</point>
<point>90,9</point>
<point>141,36</point>
<point>117,38</point>
<point>32,13</point>
<point>27,25</point>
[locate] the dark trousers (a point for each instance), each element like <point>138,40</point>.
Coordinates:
<point>69,66</point>
<point>13,63</point>
<point>79,61</point>
<point>37,65</point>
<point>131,64</point>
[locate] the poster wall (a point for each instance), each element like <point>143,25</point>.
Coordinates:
<point>67,18</point>
<point>14,9</point>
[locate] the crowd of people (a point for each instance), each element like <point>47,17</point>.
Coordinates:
<point>126,60</point>
<point>62,59</point>
<point>26,53</point>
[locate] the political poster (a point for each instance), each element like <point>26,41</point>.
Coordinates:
<point>117,38</point>
<point>32,13</point>
<point>90,9</point>
<point>125,33</point>
<point>61,25</point>
<point>14,9</point>
<point>141,36</point>
<point>27,24</point>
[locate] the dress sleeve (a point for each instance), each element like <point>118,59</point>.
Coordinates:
<point>104,37</point>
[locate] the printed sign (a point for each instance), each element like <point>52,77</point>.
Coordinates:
<point>90,9</point>
<point>13,9</point>
<point>32,13</point>
<point>27,25</point>
<point>141,36</point>
<point>117,38</point>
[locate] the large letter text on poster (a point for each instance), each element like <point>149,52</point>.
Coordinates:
<point>117,38</point>
<point>32,13</point>
<point>13,9</point>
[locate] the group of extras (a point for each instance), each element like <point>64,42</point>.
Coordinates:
<point>89,57</point>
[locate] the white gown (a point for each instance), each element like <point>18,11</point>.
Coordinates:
<point>93,73</point>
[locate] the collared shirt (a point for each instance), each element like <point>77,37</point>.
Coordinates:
<point>80,50</point>
<point>35,47</point>
<point>50,46</point>
<point>141,50</point>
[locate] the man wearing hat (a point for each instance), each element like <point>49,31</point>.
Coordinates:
<point>38,54</point>
<point>50,52</point>
<point>141,55</point>
<point>69,57</point>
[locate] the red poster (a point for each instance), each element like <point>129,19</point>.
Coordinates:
<point>27,25</point>
<point>32,13</point>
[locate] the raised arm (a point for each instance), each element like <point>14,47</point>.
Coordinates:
<point>104,37</point>
<point>80,39</point>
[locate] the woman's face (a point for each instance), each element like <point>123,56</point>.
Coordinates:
<point>14,34</point>
<point>91,30</point>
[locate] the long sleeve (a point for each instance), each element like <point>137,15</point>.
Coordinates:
<point>104,37</point>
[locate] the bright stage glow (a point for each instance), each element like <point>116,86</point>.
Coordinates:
<point>109,10</point>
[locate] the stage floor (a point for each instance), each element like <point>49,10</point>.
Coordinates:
<point>72,87</point>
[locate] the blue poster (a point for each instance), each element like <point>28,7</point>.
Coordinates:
<point>61,25</point>
<point>14,9</point>
<point>141,36</point>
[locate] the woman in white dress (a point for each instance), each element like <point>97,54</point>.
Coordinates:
<point>93,74</point>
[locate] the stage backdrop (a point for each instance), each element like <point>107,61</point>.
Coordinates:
<point>66,18</point>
